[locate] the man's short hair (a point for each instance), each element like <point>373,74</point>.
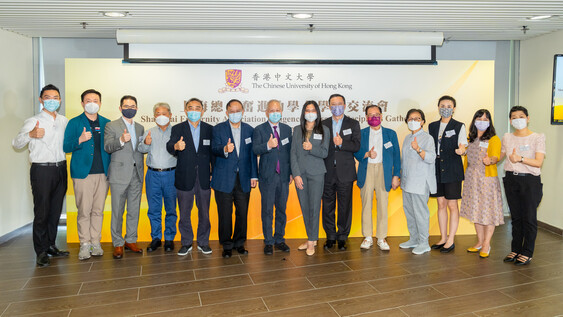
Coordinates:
<point>372,106</point>
<point>517,108</point>
<point>161,105</point>
<point>90,91</point>
<point>336,95</point>
<point>231,101</point>
<point>49,87</point>
<point>126,97</point>
<point>192,100</point>
<point>273,100</point>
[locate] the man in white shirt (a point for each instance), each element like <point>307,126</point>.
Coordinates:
<point>44,134</point>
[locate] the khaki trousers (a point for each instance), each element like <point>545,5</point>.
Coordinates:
<point>90,194</point>
<point>374,182</point>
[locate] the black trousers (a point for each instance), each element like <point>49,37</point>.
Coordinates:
<point>342,192</point>
<point>523,194</point>
<point>48,186</point>
<point>227,237</point>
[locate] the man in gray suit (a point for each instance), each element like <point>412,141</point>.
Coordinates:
<point>125,174</point>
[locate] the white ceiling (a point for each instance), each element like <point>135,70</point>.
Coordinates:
<point>459,20</point>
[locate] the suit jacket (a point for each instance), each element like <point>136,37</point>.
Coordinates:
<point>190,161</point>
<point>269,159</point>
<point>345,164</point>
<point>391,157</point>
<point>310,162</point>
<point>83,154</point>
<point>125,160</point>
<point>225,169</point>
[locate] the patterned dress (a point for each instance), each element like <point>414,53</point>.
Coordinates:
<point>481,201</point>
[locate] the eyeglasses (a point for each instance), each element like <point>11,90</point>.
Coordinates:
<point>414,119</point>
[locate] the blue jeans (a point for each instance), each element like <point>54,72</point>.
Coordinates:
<point>159,187</point>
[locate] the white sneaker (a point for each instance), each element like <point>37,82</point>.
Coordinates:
<point>421,249</point>
<point>84,253</point>
<point>367,243</point>
<point>382,244</point>
<point>408,244</point>
<point>96,250</point>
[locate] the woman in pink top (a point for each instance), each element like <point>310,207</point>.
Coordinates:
<point>525,151</point>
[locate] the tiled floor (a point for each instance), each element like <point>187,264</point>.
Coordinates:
<point>330,283</point>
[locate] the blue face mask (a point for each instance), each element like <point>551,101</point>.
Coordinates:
<point>51,104</point>
<point>129,113</point>
<point>275,117</point>
<point>235,117</point>
<point>194,116</point>
<point>337,110</point>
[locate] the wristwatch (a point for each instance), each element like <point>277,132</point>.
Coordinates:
<point>419,150</point>
<point>521,159</point>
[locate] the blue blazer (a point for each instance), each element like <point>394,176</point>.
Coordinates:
<point>225,169</point>
<point>391,157</point>
<point>269,159</point>
<point>83,154</point>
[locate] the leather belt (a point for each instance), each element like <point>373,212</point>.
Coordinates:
<point>55,164</point>
<point>161,169</point>
<point>519,174</point>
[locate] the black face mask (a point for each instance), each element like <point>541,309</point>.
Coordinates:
<point>129,113</point>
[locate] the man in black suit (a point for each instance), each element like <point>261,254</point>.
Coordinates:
<point>272,142</point>
<point>190,142</point>
<point>341,172</point>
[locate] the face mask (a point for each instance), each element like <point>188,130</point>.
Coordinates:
<point>51,104</point>
<point>374,121</point>
<point>311,116</point>
<point>413,125</point>
<point>91,108</point>
<point>446,112</point>
<point>194,116</point>
<point>162,120</point>
<point>482,125</point>
<point>519,124</point>
<point>129,113</point>
<point>235,117</point>
<point>275,117</point>
<point>337,110</point>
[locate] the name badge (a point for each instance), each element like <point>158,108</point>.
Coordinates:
<point>484,145</point>
<point>388,145</point>
<point>285,141</point>
<point>524,148</point>
<point>347,131</point>
<point>317,136</point>
<point>248,140</point>
<point>206,142</point>
<point>450,133</point>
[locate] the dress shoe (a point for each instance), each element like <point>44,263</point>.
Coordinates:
<point>168,245</point>
<point>242,250</point>
<point>510,258</point>
<point>518,262</point>
<point>342,245</point>
<point>132,247</point>
<point>227,253</point>
<point>329,244</point>
<point>268,249</point>
<point>449,249</point>
<point>282,247</point>
<point>437,246</point>
<point>205,249</point>
<point>155,244</point>
<point>473,250</point>
<point>55,252</point>
<point>43,260</point>
<point>117,252</point>
<point>484,255</point>
<point>184,250</point>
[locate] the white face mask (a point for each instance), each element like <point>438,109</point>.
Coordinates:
<point>519,124</point>
<point>311,116</point>
<point>162,120</point>
<point>91,108</point>
<point>413,125</point>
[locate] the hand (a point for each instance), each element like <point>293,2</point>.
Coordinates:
<point>85,136</point>
<point>487,160</point>
<point>395,182</point>
<point>180,145</point>
<point>229,147</point>
<point>298,182</point>
<point>148,139</point>
<point>272,142</point>
<point>290,179</point>
<point>337,139</point>
<point>125,137</point>
<point>514,158</point>
<point>460,150</point>
<point>372,154</point>
<point>307,146</point>
<point>37,132</point>
<point>253,183</point>
<point>414,145</point>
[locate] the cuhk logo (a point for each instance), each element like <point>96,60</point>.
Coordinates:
<point>233,79</point>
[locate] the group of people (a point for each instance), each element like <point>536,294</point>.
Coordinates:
<point>187,160</point>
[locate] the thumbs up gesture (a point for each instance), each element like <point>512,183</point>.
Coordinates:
<point>514,158</point>
<point>337,139</point>
<point>272,142</point>
<point>460,150</point>
<point>414,145</point>
<point>180,145</point>
<point>125,137</point>
<point>37,132</point>
<point>148,138</point>
<point>307,146</point>
<point>85,136</point>
<point>229,147</point>
<point>372,153</point>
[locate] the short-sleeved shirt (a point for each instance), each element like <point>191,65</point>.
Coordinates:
<point>526,146</point>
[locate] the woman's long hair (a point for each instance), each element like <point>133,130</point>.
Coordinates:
<point>318,128</point>
<point>489,133</point>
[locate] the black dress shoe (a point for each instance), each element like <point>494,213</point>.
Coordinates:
<point>268,249</point>
<point>168,245</point>
<point>43,259</point>
<point>342,245</point>
<point>447,250</point>
<point>242,250</point>
<point>227,253</point>
<point>437,246</point>
<point>155,244</point>
<point>282,247</point>
<point>55,252</point>
<point>329,244</point>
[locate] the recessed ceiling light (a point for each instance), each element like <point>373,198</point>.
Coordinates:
<point>113,14</point>
<point>300,15</point>
<point>540,17</point>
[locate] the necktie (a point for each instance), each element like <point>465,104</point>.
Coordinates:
<point>277,138</point>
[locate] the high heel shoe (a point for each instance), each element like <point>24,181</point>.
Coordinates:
<point>474,250</point>
<point>447,250</point>
<point>484,255</point>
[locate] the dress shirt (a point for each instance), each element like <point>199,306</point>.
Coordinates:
<point>376,140</point>
<point>158,156</point>
<point>236,137</point>
<point>49,148</point>
<point>131,130</point>
<point>195,134</point>
<point>273,134</point>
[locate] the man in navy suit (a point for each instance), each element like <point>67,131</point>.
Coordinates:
<point>234,174</point>
<point>272,142</point>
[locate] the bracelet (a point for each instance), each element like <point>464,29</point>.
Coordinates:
<point>521,159</point>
